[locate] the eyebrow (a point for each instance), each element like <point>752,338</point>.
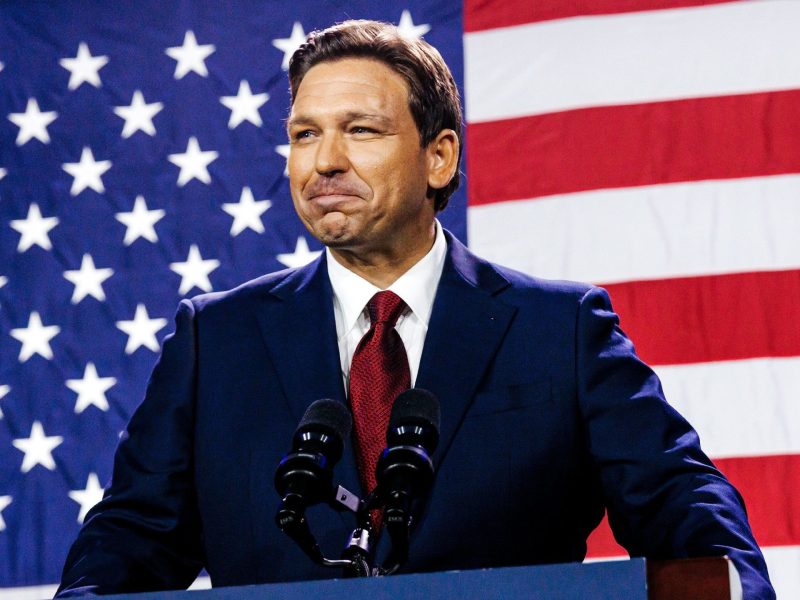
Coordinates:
<point>346,117</point>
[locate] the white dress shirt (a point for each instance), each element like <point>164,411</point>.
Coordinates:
<point>417,288</point>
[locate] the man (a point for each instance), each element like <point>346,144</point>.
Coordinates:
<point>548,417</point>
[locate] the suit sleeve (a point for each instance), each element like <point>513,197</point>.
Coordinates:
<point>665,498</point>
<point>145,534</point>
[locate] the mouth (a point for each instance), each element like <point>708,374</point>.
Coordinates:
<point>332,201</point>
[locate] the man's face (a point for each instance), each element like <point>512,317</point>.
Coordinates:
<point>357,172</point>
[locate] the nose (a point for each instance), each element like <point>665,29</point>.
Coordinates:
<point>331,155</point>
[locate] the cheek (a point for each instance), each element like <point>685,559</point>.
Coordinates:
<point>298,178</point>
<point>292,171</point>
<point>295,189</point>
<point>411,176</point>
<point>369,162</point>
<point>388,169</point>
<point>300,163</point>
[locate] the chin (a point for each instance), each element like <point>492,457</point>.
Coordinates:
<point>333,238</point>
<point>333,232</point>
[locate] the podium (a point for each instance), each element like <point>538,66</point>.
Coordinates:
<point>634,579</point>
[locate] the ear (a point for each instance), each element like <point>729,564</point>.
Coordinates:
<point>442,154</point>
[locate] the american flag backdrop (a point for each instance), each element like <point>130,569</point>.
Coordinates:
<point>650,146</point>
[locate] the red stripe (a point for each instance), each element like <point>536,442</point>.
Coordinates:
<point>766,484</point>
<point>489,14</point>
<point>602,543</point>
<point>711,318</point>
<point>642,144</point>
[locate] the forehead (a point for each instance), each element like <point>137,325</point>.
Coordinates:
<point>350,84</point>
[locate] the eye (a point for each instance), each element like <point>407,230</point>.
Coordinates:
<point>302,134</point>
<point>362,130</point>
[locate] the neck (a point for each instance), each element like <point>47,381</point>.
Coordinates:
<point>382,267</point>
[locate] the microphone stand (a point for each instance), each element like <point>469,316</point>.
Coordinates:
<point>358,553</point>
<point>357,556</point>
<point>291,519</point>
<point>360,547</point>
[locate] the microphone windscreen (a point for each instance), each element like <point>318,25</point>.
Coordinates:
<point>327,415</point>
<point>415,407</point>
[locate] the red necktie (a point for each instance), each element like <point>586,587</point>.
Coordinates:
<point>378,373</point>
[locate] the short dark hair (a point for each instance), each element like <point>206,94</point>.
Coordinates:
<point>433,96</point>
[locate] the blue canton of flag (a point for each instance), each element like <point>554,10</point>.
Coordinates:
<point>142,159</point>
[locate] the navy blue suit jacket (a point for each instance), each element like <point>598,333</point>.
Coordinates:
<point>548,418</point>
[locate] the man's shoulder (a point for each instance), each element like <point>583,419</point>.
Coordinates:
<point>540,305</point>
<point>517,287</point>
<point>529,284</point>
<point>509,282</point>
<point>264,288</point>
<point>556,300</point>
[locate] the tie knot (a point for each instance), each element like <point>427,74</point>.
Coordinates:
<point>385,307</point>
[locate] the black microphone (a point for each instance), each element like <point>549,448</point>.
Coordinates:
<point>405,469</point>
<point>304,476</point>
<point>414,420</point>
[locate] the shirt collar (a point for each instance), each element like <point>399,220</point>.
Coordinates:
<point>417,286</point>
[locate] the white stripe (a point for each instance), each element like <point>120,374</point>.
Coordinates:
<point>734,582</point>
<point>201,583</point>
<point>628,58</point>
<point>650,232</point>
<point>783,563</point>
<point>740,407</point>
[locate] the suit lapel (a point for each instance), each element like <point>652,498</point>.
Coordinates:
<point>300,334</point>
<point>466,328</point>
